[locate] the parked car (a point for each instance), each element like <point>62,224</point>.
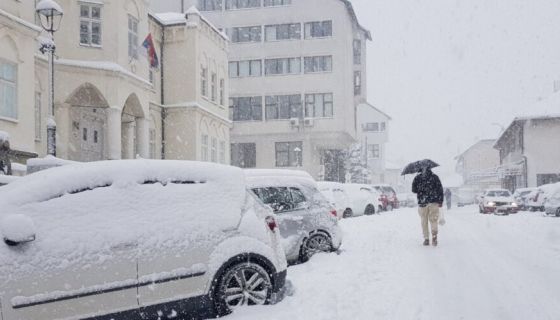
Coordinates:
<point>466,196</point>
<point>537,198</point>
<point>363,199</point>
<point>136,239</point>
<point>498,201</point>
<point>334,192</point>
<point>521,197</point>
<point>4,179</point>
<point>388,196</point>
<point>552,204</point>
<point>408,200</point>
<point>308,222</point>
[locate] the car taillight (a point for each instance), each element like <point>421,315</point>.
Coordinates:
<point>271,223</point>
<point>333,213</point>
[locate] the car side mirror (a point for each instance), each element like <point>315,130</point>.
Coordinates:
<point>17,229</point>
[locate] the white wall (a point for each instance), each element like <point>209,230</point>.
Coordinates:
<point>542,148</point>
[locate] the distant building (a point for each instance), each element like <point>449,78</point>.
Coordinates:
<point>478,165</point>
<point>297,72</point>
<point>110,102</point>
<point>373,128</point>
<point>530,152</point>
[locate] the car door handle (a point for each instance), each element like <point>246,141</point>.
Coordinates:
<point>124,246</point>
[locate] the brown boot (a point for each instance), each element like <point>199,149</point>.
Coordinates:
<point>434,239</point>
<point>426,242</point>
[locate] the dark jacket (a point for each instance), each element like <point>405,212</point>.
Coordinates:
<point>428,189</point>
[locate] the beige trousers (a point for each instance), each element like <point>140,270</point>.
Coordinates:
<point>429,213</point>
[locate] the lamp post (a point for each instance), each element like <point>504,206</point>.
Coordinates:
<point>50,14</point>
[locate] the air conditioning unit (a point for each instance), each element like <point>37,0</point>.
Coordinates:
<point>294,122</point>
<point>308,122</point>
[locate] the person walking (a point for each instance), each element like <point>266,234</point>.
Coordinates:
<point>448,196</point>
<point>429,192</point>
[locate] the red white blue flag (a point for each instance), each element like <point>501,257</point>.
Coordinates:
<point>148,44</point>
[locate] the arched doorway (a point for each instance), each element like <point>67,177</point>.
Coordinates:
<point>130,127</point>
<point>88,123</point>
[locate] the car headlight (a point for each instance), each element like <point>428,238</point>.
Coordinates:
<point>491,204</point>
<point>513,204</point>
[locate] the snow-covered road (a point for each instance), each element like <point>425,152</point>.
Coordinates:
<point>486,267</point>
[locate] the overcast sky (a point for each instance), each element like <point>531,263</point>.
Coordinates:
<point>446,70</point>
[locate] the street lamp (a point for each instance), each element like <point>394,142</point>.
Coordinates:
<point>50,14</point>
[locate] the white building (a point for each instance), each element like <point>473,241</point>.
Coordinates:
<point>530,152</point>
<point>109,102</point>
<point>297,74</point>
<point>373,128</point>
<point>478,165</point>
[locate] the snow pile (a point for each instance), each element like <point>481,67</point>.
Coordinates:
<point>38,164</point>
<point>277,177</point>
<point>82,211</point>
<point>17,228</point>
<point>168,18</point>
<point>4,179</point>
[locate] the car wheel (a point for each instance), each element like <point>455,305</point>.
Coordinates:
<point>318,242</point>
<point>480,210</point>
<point>370,209</point>
<point>243,284</point>
<point>347,213</point>
<point>379,209</point>
<point>558,212</point>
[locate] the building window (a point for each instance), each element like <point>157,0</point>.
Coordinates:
<point>38,117</point>
<point>357,83</point>
<point>244,155</point>
<point>283,107</point>
<point>371,126</point>
<point>289,31</point>
<point>319,105</point>
<point>90,24</point>
<point>210,5</point>
<point>214,150</point>
<point>214,86</point>
<point>8,90</point>
<point>357,52</point>
<point>374,151</point>
<point>132,37</point>
<point>289,154</point>
<point>245,68</point>
<point>282,66</point>
<point>204,81</point>
<point>222,152</point>
<point>242,4</point>
<point>204,147</point>
<point>318,64</point>
<point>222,91</point>
<point>245,108</point>
<point>318,29</point>
<point>152,143</point>
<point>245,34</point>
<point>271,3</point>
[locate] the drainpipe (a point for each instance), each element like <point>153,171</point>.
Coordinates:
<point>162,93</point>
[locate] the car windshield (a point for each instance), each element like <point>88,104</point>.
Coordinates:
<point>498,193</point>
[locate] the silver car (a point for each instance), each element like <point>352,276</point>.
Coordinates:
<point>552,204</point>
<point>308,223</point>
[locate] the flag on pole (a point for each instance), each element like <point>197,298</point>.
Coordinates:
<point>148,44</point>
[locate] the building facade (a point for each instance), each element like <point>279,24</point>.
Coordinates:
<point>530,152</point>
<point>373,128</point>
<point>478,165</point>
<point>297,72</point>
<point>110,102</point>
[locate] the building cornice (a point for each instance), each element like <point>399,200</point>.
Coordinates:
<point>196,105</point>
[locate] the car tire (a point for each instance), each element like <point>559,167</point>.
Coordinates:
<point>558,212</point>
<point>347,213</point>
<point>369,210</point>
<point>315,243</point>
<point>242,284</point>
<point>480,209</point>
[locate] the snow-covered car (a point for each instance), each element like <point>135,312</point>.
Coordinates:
<point>307,221</point>
<point>4,179</point>
<point>407,200</point>
<point>364,200</point>
<point>335,193</point>
<point>388,196</point>
<point>466,196</point>
<point>537,198</point>
<point>136,239</point>
<point>552,204</point>
<point>521,197</point>
<point>498,201</point>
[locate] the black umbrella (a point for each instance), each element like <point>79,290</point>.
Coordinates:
<point>418,166</point>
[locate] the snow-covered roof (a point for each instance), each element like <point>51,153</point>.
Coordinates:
<point>177,18</point>
<point>367,104</point>
<point>352,13</point>
<point>490,142</point>
<point>329,185</point>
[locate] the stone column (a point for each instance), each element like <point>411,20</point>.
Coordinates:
<point>114,133</point>
<point>143,137</point>
<point>128,139</point>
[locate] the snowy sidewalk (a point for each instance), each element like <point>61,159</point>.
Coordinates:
<point>486,267</point>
